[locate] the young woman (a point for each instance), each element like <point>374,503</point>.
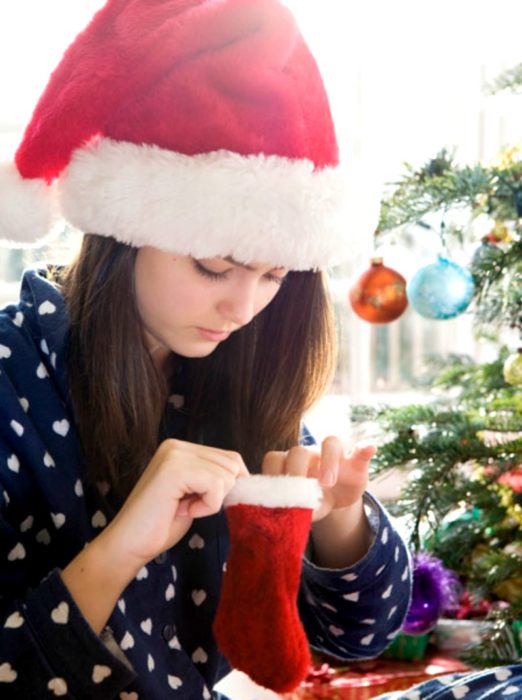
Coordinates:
<point>175,356</point>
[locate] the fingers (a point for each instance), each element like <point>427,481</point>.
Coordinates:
<point>226,459</point>
<point>298,461</point>
<point>332,452</point>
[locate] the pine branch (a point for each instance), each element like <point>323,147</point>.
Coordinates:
<point>510,80</point>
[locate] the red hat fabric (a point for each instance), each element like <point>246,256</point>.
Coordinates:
<point>200,127</point>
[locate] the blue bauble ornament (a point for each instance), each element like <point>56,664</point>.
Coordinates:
<point>441,290</point>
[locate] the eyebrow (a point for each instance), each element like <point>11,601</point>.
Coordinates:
<point>231,260</point>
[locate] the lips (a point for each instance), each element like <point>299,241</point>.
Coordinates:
<point>214,336</point>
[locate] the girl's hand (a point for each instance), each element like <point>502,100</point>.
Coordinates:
<point>342,477</point>
<point>182,481</point>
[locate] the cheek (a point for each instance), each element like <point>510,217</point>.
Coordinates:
<point>266,295</point>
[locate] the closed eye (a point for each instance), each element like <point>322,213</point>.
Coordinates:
<point>209,274</point>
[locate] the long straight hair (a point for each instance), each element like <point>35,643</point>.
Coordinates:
<point>249,395</point>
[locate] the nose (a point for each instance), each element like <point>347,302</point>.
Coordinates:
<point>239,304</point>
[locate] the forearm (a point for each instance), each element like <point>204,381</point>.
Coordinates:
<point>96,579</point>
<point>342,538</point>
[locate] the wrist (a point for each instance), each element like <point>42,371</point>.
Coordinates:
<point>96,578</point>
<point>342,537</point>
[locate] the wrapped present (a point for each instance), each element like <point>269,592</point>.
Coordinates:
<point>369,679</point>
<point>409,647</point>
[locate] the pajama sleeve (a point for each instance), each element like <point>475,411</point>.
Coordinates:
<point>354,613</point>
<point>47,649</point>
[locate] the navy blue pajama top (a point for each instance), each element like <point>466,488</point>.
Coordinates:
<point>158,642</point>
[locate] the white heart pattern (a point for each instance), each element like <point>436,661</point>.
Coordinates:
<point>206,693</point>
<point>170,592</point>
<point>48,461</point>
<point>353,597</point>
<point>502,674</point>
<point>43,537</point>
<point>510,690</point>
<point>100,673</point>
<point>60,614</point>
<point>46,307</point>
<point>5,352</point>
<point>17,427</point>
<point>198,597</point>
<point>58,686</point>
<point>142,573</point>
<point>18,319</point>
<point>200,656</point>
<point>146,626</point>
<point>14,464</point>
<point>41,371</point>
<point>336,631</point>
<point>121,605</point>
<point>460,692</point>
<point>127,642</point>
<point>196,542</point>
<point>366,641</point>
<point>7,673</point>
<point>18,552</point>
<point>349,577</point>
<point>99,520</point>
<point>128,696</point>
<point>384,536</point>
<point>387,592</point>
<point>61,427</point>
<point>14,621</point>
<point>44,346</point>
<point>58,520</point>
<point>27,524</point>
<point>392,612</point>
<point>174,643</point>
<point>24,403</point>
<point>175,682</point>
<point>150,663</point>
<point>78,488</point>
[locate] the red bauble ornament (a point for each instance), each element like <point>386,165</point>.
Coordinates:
<point>379,295</point>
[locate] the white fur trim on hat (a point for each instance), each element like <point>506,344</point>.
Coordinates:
<point>255,208</point>
<point>27,208</point>
<point>275,492</point>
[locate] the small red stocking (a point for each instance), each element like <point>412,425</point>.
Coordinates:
<point>257,626</point>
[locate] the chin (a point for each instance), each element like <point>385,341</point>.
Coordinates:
<point>196,352</point>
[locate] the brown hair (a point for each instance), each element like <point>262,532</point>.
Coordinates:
<point>249,395</point>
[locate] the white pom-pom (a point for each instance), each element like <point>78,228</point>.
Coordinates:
<point>28,208</point>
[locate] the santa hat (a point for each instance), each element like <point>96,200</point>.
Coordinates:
<point>200,127</point>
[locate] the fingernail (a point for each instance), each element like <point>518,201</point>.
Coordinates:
<point>328,478</point>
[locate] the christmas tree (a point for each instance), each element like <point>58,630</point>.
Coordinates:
<point>462,450</point>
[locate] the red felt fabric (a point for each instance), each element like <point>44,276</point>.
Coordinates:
<point>191,76</point>
<point>257,625</point>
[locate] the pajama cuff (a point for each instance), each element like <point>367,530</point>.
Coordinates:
<point>71,646</point>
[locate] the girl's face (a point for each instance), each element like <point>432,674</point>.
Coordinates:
<point>189,306</point>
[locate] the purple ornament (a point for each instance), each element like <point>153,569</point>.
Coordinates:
<point>435,591</point>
